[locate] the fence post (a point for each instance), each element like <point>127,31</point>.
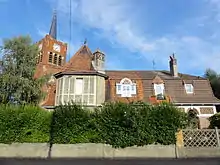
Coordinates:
<point>179,139</point>
<point>217,136</point>
<point>179,143</point>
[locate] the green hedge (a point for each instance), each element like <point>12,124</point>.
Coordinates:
<point>117,124</point>
<point>214,121</point>
<point>24,124</point>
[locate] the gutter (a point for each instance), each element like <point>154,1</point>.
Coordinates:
<point>197,104</point>
<point>48,107</point>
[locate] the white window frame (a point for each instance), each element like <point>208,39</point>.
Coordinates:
<point>77,87</point>
<point>128,92</point>
<point>73,94</point>
<point>162,89</point>
<point>191,87</point>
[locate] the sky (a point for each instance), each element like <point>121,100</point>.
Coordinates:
<point>131,33</point>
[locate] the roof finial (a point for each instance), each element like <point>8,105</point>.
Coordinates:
<point>153,62</point>
<point>173,54</point>
<point>85,41</point>
<point>53,27</point>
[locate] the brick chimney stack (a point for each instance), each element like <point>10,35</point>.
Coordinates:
<point>173,66</point>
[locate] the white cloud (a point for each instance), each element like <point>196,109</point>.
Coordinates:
<point>115,20</point>
<point>110,17</point>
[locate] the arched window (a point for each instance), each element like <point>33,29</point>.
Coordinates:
<point>60,61</point>
<point>55,59</point>
<point>50,60</point>
<point>126,88</point>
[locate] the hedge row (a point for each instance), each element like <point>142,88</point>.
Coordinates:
<point>117,124</point>
<point>24,124</point>
<point>215,121</point>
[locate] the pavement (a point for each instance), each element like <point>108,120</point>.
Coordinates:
<point>191,161</point>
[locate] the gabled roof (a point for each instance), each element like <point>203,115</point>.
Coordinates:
<point>81,61</point>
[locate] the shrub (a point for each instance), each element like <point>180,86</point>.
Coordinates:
<point>73,124</point>
<point>24,124</point>
<point>166,120</point>
<point>117,124</point>
<point>214,121</point>
<point>123,125</point>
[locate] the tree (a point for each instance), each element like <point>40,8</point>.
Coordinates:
<point>17,81</point>
<point>214,79</point>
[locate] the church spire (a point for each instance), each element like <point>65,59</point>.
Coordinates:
<point>53,27</point>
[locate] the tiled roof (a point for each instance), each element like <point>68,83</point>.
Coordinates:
<point>82,60</point>
<point>174,87</point>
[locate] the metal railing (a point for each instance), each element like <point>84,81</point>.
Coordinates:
<point>201,137</point>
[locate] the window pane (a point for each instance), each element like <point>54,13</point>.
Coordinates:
<point>91,99</point>
<point>86,85</point>
<point>133,89</point>
<point>118,89</point>
<point>78,98</point>
<point>71,98</point>
<point>58,87</point>
<point>79,86</point>
<point>66,85</point>
<point>61,86</point>
<point>72,85</point>
<point>189,88</point>
<point>158,89</point>
<point>60,100</point>
<point>85,99</point>
<point>65,99</point>
<point>92,84</point>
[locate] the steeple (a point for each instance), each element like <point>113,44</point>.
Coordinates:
<point>53,27</point>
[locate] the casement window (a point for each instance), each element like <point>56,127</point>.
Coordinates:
<point>79,86</point>
<point>159,89</point>
<point>189,88</point>
<point>126,88</point>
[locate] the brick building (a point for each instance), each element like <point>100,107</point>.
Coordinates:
<point>83,79</point>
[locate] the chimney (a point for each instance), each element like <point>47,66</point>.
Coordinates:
<point>173,66</point>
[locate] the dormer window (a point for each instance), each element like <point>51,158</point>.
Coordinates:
<point>159,90</point>
<point>189,88</point>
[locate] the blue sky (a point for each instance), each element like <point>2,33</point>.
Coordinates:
<point>131,32</point>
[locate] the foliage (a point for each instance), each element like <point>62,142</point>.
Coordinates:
<point>215,121</point>
<point>193,120</point>
<point>17,81</point>
<point>214,79</point>
<point>24,124</point>
<point>117,124</point>
<point>72,124</point>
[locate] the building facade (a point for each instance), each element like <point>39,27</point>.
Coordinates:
<point>84,79</point>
